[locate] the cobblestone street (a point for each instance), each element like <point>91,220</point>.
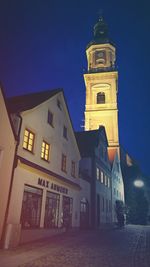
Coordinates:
<point>129,247</point>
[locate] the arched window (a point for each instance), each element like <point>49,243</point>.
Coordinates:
<point>101,98</point>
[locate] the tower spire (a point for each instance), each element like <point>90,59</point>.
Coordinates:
<point>101,84</point>
<point>100,13</point>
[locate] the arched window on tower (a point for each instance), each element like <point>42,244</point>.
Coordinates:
<point>101,98</point>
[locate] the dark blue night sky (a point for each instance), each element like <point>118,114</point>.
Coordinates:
<point>42,46</point>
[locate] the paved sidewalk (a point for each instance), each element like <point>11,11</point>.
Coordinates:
<point>128,247</point>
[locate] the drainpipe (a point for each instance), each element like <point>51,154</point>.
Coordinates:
<point>17,137</point>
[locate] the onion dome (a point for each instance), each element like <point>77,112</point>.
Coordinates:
<point>101,35</point>
<point>101,30</point>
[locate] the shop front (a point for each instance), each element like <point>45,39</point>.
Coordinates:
<point>38,203</point>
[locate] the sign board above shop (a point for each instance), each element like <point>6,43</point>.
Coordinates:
<point>52,186</point>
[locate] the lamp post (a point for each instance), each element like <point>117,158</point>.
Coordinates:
<point>139,205</point>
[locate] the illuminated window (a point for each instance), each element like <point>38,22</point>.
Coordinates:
<point>50,118</point>
<point>101,98</point>
<point>106,205</point>
<point>97,173</point>
<point>45,151</point>
<point>105,179</point>
<point>63,163</point>
<point>65,132</point>
<point>103,204</point>
<point>109,205</point>
<point>73,167</point>
<point>28,140</point>
<point>102,177</point>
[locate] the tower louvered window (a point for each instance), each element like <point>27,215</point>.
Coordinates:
<point>101,98</point>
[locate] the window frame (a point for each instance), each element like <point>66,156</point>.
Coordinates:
<point>44,153</point>
<point>73,168</point>
<point>65,132</point>
<point>101,177</point>
<point>100,98</point>
<point>50,118</point>
<point>98,173</point>
<point>30,195</point>
<point>58,104</point>
<point>52,205</point>
<point>28,140</point>
<point>64,163</point>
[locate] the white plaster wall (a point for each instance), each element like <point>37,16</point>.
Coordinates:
<point>117,183</point>
<point>7,150</point>
<point>28,176</point>
<point>36,121</point>
<point>104,192</point>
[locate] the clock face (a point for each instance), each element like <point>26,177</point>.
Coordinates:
<point>100,57</point>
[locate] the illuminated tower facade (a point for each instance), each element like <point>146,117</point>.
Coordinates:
<point>101,85</point>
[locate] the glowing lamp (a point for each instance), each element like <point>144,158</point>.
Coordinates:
<point>138,183</point>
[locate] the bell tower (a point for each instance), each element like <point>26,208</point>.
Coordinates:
<point>101,85</point>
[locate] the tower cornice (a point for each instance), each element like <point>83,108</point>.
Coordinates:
<point>100,75</point>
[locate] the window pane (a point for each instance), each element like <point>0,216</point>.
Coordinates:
<point>25,145</point>
<point>26,133</point>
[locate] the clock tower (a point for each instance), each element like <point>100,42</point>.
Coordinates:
<point>101,85</point>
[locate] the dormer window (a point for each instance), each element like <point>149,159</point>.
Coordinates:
<point>101,98</point>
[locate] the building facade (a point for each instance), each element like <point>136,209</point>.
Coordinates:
<point>46,191</point>
<point>101,85</point>
<point>95,167</point>
<point>101,81</point>
<point>117,187</point>
<point>7,150</point>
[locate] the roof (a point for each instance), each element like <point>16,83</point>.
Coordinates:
<point>29,101</point>
<point>101,35</point>
<point>88,140</point>
<point>112,153</point>
<point>5,102</point>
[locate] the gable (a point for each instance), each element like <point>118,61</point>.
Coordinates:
<point>36,119</point>
<point>5,120</point>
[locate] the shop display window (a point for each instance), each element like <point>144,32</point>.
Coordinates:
<point>67,206</point>
<point>51,210</point>
<point>31,207</point>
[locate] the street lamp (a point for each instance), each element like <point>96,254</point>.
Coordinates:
<point>138,183</point>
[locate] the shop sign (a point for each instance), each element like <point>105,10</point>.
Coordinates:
<point>52,186</point>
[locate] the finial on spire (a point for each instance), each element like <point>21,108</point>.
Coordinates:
<point>100,14</point>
